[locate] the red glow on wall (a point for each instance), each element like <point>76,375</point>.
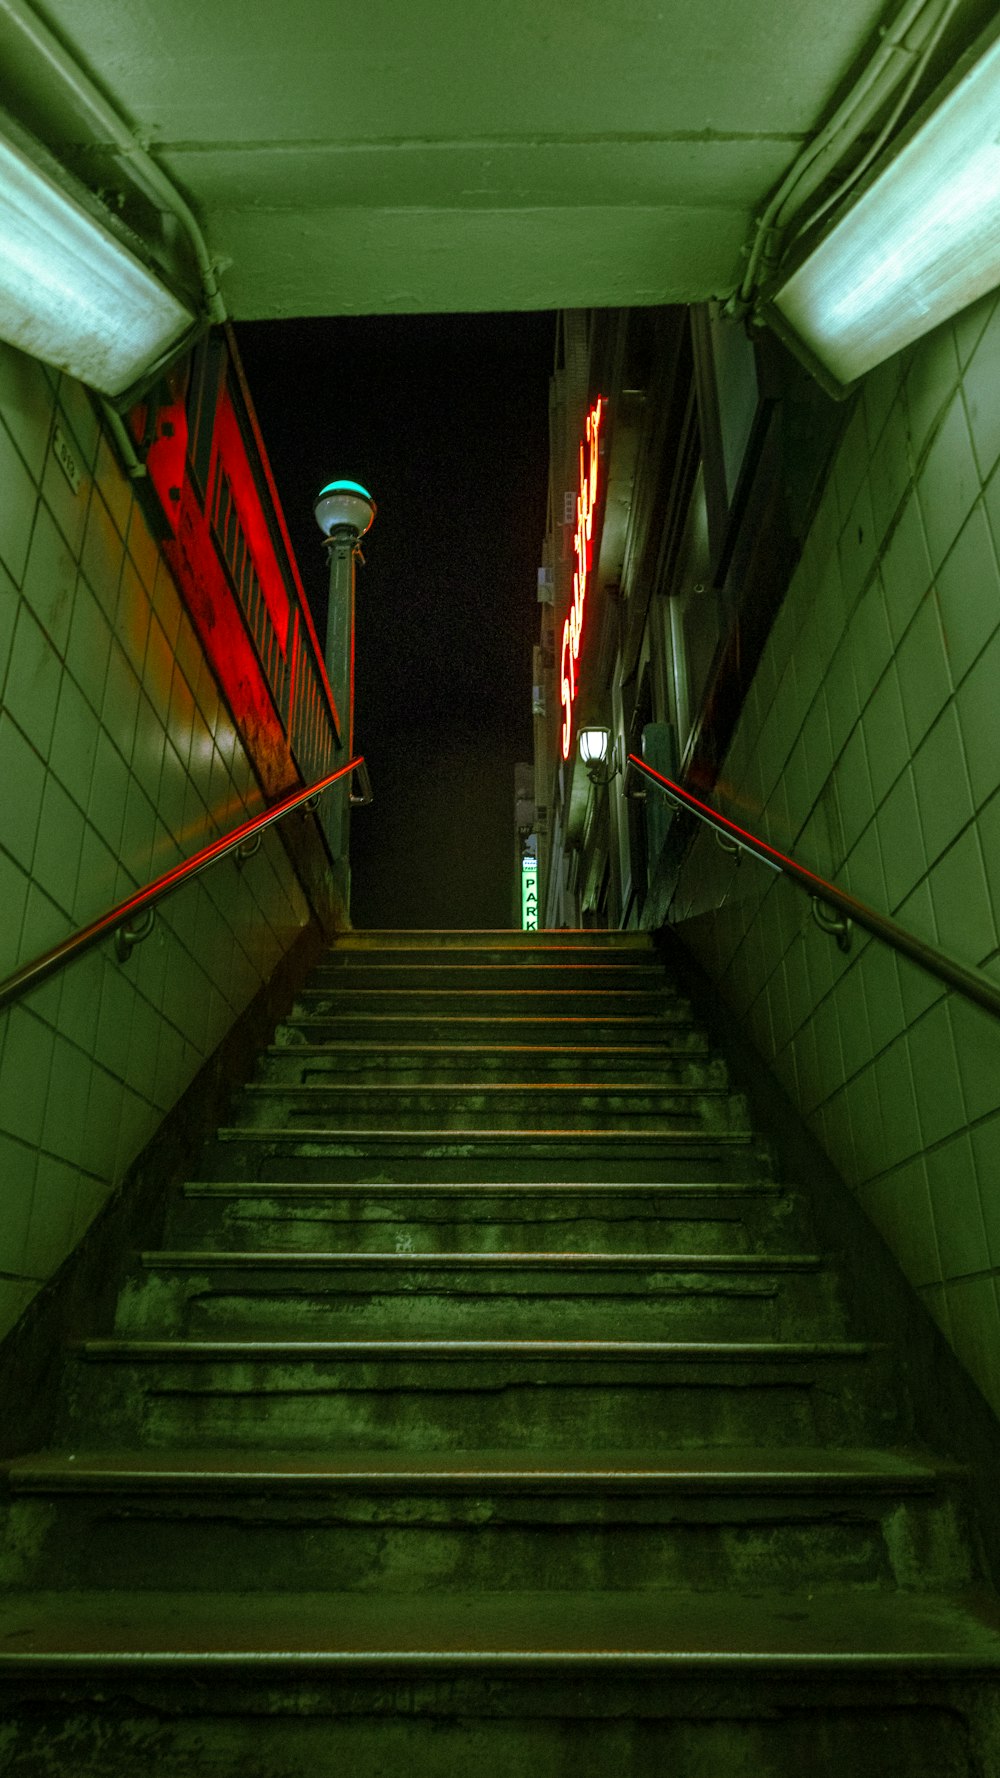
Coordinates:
<point>583,545</point>
<point>303,609</point>
<point>231,451</point>
<point>160,431</point>
<point>218,518</point>
<point>192,558</point>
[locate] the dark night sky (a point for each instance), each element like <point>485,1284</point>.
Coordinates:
<point>445,420</point>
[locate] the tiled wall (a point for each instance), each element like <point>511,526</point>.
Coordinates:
<point>117,759</point>
<point>870,748</point>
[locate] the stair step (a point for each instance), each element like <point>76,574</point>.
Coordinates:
<point>421,1216</point>
<point>497,1002</point>
<point>660,1196</point>
<point>475,1154</point>
<point>546,1139</point>
<point>567,1041</point>
<point>132,1521</point>
<point>490,1271</point>
<point>635,1108</point>
<point>399,1394</point>
<point>691,1631</point>
<point>515,1352</point>
<point>749,1469</point>
<point>245,1717</point>
<point>489,972</point>
<point>287,1295</point>
<point>671,1029</point>
<point>538,959</point>
<point>566,940</point>
<point>658,1066</point>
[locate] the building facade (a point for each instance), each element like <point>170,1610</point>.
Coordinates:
<point>793,609</point>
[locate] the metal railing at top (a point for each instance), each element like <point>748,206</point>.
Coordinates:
<point>131,920</point>
<point>292,663</point>
<point>235,552</point>
<point>847,910</point>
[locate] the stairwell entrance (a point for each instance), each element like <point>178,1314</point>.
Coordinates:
<point>490,1405</point>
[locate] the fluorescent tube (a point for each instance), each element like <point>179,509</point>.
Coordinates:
<point>921,242</point>
<point>71,293</point>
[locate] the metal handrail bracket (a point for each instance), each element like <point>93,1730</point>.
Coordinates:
<point>850,911</point>
<point>131,920</point>
<point>362,797</point>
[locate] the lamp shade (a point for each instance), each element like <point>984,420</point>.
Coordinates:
<point>594,745</point>
<point>71,292</point>
<point>344,506</point>
<point>920,242</point>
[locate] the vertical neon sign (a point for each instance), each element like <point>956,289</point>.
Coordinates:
<point>529,894</point>
<point>583,543</point>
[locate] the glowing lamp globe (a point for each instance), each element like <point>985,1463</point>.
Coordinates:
<point>344,506</point>
<point>594,745</point>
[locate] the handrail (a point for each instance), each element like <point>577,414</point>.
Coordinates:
<point>970,982</point>
<point>121,917</point>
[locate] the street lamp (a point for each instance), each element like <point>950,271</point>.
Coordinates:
<point>344,507</point>
<point>344,512</point>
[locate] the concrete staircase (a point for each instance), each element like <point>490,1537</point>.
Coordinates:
<point>488,1408</point>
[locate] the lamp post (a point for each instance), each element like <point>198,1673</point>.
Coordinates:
<point>344,512</point>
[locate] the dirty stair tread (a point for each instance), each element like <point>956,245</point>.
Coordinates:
<point>486,1017</point>
<point>471,1190</point>
<point>308,1051</point>
<point>484,938</point>
<point>787,1469</point>
<point>598,1351</point>
<point>298,1259</point>
<point>567,1135</point>
<point>310,1089</point>
<point>427,976</point>
<point>839,1628</point>
<point>640,965</point>
<point>299,1021</point>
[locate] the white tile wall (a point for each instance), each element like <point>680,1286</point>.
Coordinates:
<point>871,738</point>
<point>117,758</point>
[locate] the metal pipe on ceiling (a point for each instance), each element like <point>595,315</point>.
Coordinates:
<point>894,62</point>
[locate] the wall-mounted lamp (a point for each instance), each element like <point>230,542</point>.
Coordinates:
<point>920,242</point>
<point>596,752</point>
<point>71,291</point>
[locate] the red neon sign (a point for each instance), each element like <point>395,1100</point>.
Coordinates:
<point>586,502</point>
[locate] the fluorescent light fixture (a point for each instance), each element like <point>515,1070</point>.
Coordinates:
<point>71,292</point>
<point>920,243</point>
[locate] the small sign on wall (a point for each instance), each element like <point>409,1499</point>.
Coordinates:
<point>65,459</point>
<point>529,893</point>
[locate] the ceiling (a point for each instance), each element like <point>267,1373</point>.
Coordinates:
<point>411,156</point>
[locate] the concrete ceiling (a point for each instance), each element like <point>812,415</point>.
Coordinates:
<point>406,156</point>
